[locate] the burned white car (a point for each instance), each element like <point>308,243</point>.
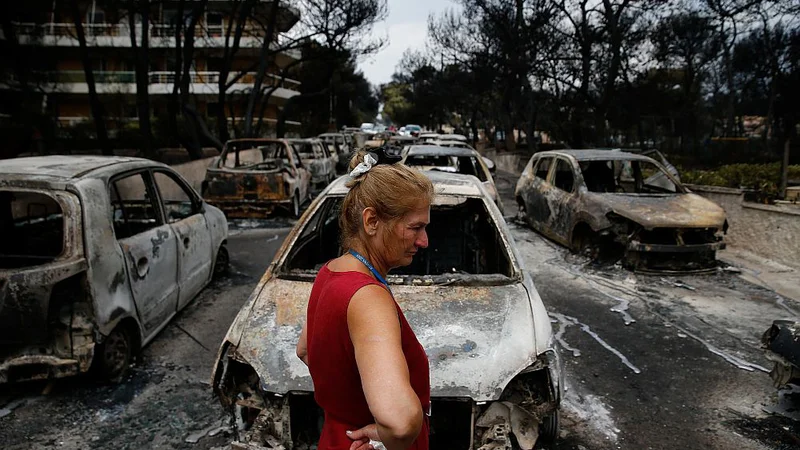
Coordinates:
<point>495,373</point>
<point>466,161</point>
<point>97,255</point>
<point>318,158</point>
<point>619,205</point>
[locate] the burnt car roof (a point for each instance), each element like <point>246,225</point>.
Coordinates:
<point>597,155</point>
<point>444,184</point>
<point>431,150</point>
<point>63,167</point>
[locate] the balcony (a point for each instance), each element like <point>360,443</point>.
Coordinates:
<point>202,83</point>
<point>118,35</point>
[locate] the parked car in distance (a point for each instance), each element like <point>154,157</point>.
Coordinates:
<point>426,138</point>
<point>253,176</point>
<point>495,372</point>
<point>97,255</point>
<point>462,144</point>
<point>413,130</point>
<point>317,157</point>
<point>341,144</point>
<point>465,161</point>
<point>368,127</point>
<point>622,204</point>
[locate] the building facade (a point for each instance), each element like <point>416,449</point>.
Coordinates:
<point>59,73</point>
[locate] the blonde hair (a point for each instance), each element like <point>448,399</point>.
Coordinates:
<point>393,190</point>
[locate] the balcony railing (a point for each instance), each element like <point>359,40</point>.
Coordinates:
<point>156,30</point>
<point>163,77</point>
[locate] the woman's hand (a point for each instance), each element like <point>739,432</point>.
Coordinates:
<point>361,438</point>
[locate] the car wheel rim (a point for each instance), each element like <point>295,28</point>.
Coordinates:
<point>296,205</point>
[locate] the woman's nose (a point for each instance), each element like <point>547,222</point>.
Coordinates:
<point>422,240</point>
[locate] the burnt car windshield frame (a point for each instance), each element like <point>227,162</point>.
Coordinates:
<point>516,275</point>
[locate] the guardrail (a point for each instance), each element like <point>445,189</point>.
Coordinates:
<point>159,77</point>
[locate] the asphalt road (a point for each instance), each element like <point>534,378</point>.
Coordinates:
<point>650,361</point>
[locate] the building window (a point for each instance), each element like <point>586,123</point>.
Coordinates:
<point>99,16</point>
<point>214,24</point>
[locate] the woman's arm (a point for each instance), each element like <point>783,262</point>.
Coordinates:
<point>375,332</point>
<point>302,346</point>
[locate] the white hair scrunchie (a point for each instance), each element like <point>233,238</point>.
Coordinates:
<point>364,166</point>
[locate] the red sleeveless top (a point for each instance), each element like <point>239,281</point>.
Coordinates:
<point>332,361</point>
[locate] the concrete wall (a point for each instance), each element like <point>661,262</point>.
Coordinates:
<point>771,231</point>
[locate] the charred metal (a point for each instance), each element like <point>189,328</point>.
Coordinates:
<point>614,205</point>
<point>781,343</point>
<point>253,176</point>
<point>497,349</point>
<point>89,261</point>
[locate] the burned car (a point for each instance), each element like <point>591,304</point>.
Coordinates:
<point>465,161</point>
<point>317,157</point>
<point>616,203</point>
<point>342,145</point>
<point>253,176</point>
<point>781,343</point>
<point>495,373</point>
<point>97,255</point>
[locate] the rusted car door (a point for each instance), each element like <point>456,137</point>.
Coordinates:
<point>184,214</point>
<point>537,207</point>
<point>563,199</point>
<point>150,248</point>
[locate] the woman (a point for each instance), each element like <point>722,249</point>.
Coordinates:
<point>370,373</point>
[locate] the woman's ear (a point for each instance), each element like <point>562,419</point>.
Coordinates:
<point>369,220</point>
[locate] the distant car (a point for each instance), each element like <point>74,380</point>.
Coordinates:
<point>425,138</point>
<point>461,144</point>
<point>368,127</point>
<point>618,203</point>
<point>453,160</point>
<point>253,176</point>
<point>496,375</point>
<point>318,159</point>
<point>97,255</point>
<point>413,130</point>
<point>341,144</point>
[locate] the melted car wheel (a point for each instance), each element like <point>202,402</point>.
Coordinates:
<point>549,428</point>
<point>113,356</point>
<point>222,264</point>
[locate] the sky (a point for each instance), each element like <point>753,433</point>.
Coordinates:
<point>406,27</point>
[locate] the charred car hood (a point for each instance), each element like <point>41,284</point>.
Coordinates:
<point>664,210</point>
<point>477,338</point>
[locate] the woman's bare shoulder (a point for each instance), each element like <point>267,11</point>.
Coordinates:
<point>346,263</point>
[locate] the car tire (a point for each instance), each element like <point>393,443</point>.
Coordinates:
<point>549,428</point>
<point>296,205</point>
<point>112,358</point>
<point>223,262</point>
<point>585,243</point>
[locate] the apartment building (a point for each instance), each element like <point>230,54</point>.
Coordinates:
<point>60,75</point>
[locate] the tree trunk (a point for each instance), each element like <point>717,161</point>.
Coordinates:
<point>94,101</point>
<point>173,106</point>
<point>263,64</point>
<point>142,73</point>
<point>192,140</point>
<point>787,145</point>
<point>227,59</point>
